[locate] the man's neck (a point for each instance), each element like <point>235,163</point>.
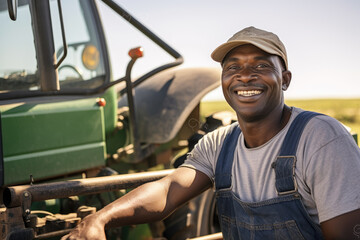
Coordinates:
<point>259,132</point>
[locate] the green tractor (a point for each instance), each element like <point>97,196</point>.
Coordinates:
<point>73,139</point>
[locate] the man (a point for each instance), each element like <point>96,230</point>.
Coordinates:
<point>277,176</point>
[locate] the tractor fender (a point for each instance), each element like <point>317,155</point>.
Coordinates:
<point>164,101</point>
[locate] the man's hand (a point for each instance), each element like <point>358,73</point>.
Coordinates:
<point>89,228</point>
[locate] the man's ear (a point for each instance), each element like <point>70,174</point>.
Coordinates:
<point>286,79</point>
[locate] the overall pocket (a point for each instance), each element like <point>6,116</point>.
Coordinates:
<point>288,230</point>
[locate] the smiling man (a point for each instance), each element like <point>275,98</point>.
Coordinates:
<point>279,173</point>
<point>253,82</point>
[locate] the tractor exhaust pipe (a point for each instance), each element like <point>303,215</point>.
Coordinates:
<point>13,196</point>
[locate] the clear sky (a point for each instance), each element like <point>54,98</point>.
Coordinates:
<point>322,37</point>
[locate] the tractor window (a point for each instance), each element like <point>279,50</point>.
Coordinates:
<point>83,66</point>
<point>18,67</point>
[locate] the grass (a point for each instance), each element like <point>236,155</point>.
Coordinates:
<point>347,111</point>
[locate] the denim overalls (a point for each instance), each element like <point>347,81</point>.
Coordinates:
<point>283,217</point>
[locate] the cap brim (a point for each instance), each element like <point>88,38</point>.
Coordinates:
<point>220,52</point>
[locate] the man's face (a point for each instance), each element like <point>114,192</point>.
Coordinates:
<point>253,82</point>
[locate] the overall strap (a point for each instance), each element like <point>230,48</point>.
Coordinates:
<point>226,158</point>
<point>285,163</point>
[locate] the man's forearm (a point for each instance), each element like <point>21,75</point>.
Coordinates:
<point>156,200</point>
<point>144,204</point>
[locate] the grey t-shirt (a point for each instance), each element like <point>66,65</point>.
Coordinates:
<point>327,167</point>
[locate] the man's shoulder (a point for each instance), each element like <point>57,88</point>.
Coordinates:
<point>214,139</point>
<point>322,122</point>
<point>322,128</point>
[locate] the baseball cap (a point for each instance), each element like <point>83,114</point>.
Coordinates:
<point>266,41</point>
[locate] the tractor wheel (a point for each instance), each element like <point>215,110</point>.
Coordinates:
<point>197,218</point>
<point>206,216</point>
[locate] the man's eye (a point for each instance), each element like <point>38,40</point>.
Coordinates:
<point>259,66</point>
<point>233,67</point>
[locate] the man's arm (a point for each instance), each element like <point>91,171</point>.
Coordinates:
<point>345,226</point>
<point>149,202</point>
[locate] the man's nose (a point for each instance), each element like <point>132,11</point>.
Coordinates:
<point>246,74</point>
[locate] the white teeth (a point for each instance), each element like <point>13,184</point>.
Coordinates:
<point>248,93</point>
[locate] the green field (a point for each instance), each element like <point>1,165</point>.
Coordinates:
<point>346,111</point>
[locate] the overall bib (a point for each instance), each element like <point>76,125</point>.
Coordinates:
<point>283,217</point>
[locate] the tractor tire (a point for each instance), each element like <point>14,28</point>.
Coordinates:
<point>199,216</point>
<point>196,218</point>
<point>206,216</point>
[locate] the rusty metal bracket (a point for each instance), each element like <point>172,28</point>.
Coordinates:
<point>12,225</point>
<point>26,205</point>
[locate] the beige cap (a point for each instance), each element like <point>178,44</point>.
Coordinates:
<point>267,41</point>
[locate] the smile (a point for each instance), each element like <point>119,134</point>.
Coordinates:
<point>248,93</point>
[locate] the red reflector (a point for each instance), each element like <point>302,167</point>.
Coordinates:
<point>101,102</point>
<point>136,52</point>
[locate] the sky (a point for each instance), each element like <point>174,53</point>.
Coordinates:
<point>322,38</point>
